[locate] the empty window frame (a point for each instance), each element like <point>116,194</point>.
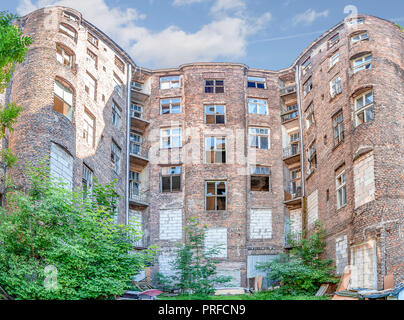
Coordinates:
<point>170,82</point>
<point>362,63</point>
<point>333,40</point>
<point>118,86</point>
<point>295,176</point>
<point>170,138</point>
<point>88,128</point>
<point>63,99</point>
<point>340,185</point>
<point>259,138</point>
<point>338,128</point>
<point>136,110</point>
<point>334,59</point>
<point>364,36</point>
<point>93,40</point>
<point>64,56</point>
<point>135,146</point>
<point>308,86</point>
<point>312,158</point>
<point>116,115</point>
<point>215,149</point>
<point>115,157</point>
<point>254,82</point>
<point>364,108</point>
<point>260,178</point>
<point>119,63</point>
<point>215,114</point>
<point>335,87</point>
<point>68,31</point>
<point>306,66</point>
<point>309,115</point>
<point>170,105</point>
<point>92,58</point>
<point>214,86</point>
<point>355,21</point>
<point>134,184</point>
<point>87,180</point>
<point>171,179</point>
<point>257,106</point>
<point>90,85</point>
<point>70,16</point>
<point>216,195</point>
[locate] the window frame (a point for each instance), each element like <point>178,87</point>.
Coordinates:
<point>87,127</point>
<point>171,137</point>
<point>308,86</point>
<point>87,180</point>
<point>334,59</point>
<point>214,86</point>
<point>360,37</point>
<point>365,65</point>
<point>309,116</point>
<point>69,90</point>
<point>254,173</point>
<point>119,64</point>
<point>118,84</point>
<point>171,102</point>
<point>116,156</point>
<point>364,108</point>
<point>171,80</point>
<point>312,157</point>
<point>92,39</point>
<point>216,114</point>
<point>258,104</point>
<point>68,30</point>
<point>338,128</point>
<point>170,176</point>
<point>335,86</point>
<point>259,135</point>
<point>256,81</point>
<point>136,106</point>
<point>216,150</point>
<point>92,58</point>
<point>306,66</point>
<point>215,196</point>
<point>116,110</point>
<point>340,185</point>
<point>332,42</point>
<point>88,78</point>
<point>64,52</point>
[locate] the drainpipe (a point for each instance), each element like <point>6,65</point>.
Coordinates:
<point>127,143</point>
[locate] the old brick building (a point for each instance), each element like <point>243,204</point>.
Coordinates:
<point>252,153</point>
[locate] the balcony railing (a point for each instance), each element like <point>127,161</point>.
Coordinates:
<point>288,90</point>
<point>290,116</point>
<point>288,109</point>
<point>136,196</point>
<point>291,150</point>
<point>295,192</point>
<point>137,150</point>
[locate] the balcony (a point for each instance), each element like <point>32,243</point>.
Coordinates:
<point>291,115</point>
<point>139,156</point>
<point>288,90</point>
<point>137,120</point>
<point>140,91</point>
<point>293,196</point>
<point>291,154</point>
<point>137,198</point>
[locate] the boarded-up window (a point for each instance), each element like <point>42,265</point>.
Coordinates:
<point>312,208</point>
<point>364,180</point>
<point>61,166</point>
<point>260,224</point>
<point>217,238</point>
<point>171,224</point>
<point>364,266</point>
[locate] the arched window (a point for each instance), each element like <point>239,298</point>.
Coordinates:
<point>63,99</point>
<point>364,109</point>
<point>64,55</point>
<point>68,31</point>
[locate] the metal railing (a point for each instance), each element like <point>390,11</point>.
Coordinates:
<point>137,150</point>
<point>288,89</point>
<point>287,109</point>
<point>136,196</point>
<point>291,150</point>
<point>290,116</point>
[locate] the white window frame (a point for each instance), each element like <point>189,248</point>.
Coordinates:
<point>116,115</point>
<point>92,58</point>
<point>360,37</point>
<point>64,56</point>
<point>87,180</point>
<point>66,95</point>
<point>116,157</point>
<point>333,40</point>
<point>256,81</point>
<point>340,187</point>
<point>309,116</point>
<point>216,113</point>
<point>335,87</point>
<point>338,128</point>
<point>136,108</point>
<point>215,149</point>
<point>364,108</point>
<point>306,66</point>
<point>92,39</point>
<point>364,64</point>
<point>88,129</point>
<point>259,104</point>
<point>170,102</point>
<point>91,84</point>
<point>118,85</point>
<point>172,134</point>
<point>171,82</point>
<point>308,86</point>
<point>334,59</point>
<point>68,32</point>
<point>252,132</point>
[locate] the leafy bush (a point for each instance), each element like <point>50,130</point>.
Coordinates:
<point>56,245</point>
<point>195,265</point>
<point>302,271</point>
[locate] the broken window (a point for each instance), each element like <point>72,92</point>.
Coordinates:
<point>364,108</point>
<point>333,40</point>
<point>260,178</point>
<point>312,158</point>
<point>257,106</point>
<point>171,105</point>
<point>170,82</point>
<point>362,63</point>
<point>90,85</point>
<point>136,111</point>
<point>171,179</point>
<point>92,58</point>
<point>309,115</point>
<point>308,86</point>
<point>335,87</point>
<point>116,115</point>
<point>306,66</point>
<point>70,16</point>
<point>63,99</point>
<point>360,37</point>
<point>135,146</point>
<point>134,184</point>
<point>116,157</point>
<point>215,148</point>
<point>254,82</point>
<point>68,31</point>
<point>93,40</point>
<point>170,138</point>
<point>88,128</point>
<point>118,86</point>
<point>119,63</point>
<point>214,86</point>
<point>87,180</point>
<point>295,182</point>
<point>259,138</point>
<point>334,59</point>
<point>216,194</point>
<point>338,126</point>
<point>215,114</point>
<point>64,56</point>
<point>340,185</point>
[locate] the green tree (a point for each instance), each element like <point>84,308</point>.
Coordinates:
<point>60,244</point>
<point>13,49</point>
<point>195,265</point>
<point>302,270</point>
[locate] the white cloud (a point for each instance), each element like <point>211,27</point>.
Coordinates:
<point>309,16</point>
<point>225,37</point>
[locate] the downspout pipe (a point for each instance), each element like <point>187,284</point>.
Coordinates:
<point>129,78</point>
<point>299,106</point>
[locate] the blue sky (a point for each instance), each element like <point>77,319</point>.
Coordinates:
<point>260,33</point>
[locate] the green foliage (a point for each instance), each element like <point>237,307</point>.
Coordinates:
<point>400,27</point>
<point>302,271</point>
<point>13,47</point>
<point>195,265</point>
<point>8,158</point>
<point>60,244</point>
<point>8,117</point>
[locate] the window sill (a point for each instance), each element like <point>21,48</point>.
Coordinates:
<point>337,145</point>
<point>341,208</point>
<point>215,211</point>
<point>311,173</point>
<point>335,96</point>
